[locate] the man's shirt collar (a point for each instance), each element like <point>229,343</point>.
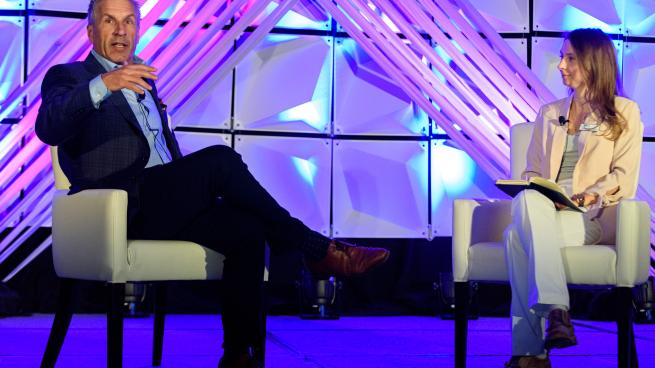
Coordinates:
<point>110,65</point>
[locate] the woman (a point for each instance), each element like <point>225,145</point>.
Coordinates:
<point>589,143</point>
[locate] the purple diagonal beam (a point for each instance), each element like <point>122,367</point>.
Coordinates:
<point>178,45</point>
<point>195,74</point>
<point>309,9</point>
<point>449,74</point>
<point>477,68</point>
<point>390,60</point>
<point>401,54</point>
<point>171,26</point>
<point>27,226</point>
<point>26,153</point>
<point>481,54</point>
<point>43,246</point>
<point>408,84</point>
<point>193,98</point>
<point>495,87</point>
<point>176,66</point>
<point>18,211</point>
<point>64,47</point>
<point>517,64</point>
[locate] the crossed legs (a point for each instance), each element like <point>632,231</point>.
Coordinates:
<point>533,249</point>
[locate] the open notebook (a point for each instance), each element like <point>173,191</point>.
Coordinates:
<point>544,186</point>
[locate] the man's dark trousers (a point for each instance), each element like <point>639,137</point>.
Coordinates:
<point>209,197</point>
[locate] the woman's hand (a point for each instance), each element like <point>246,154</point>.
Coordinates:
<point>584,199</point>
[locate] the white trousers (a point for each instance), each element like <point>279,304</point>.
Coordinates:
<point>532,242</point>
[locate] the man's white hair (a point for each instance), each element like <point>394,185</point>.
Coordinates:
<point>93,4</point>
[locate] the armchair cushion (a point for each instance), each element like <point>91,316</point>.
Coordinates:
<point>479,253</point>
<point>90,243</point>
<point>152,260</point>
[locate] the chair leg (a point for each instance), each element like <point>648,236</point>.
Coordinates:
<point>60,325</point>
<point>160,314</point>
<point>461,322</point>
<point>115,325</point>
<point>259,351</point>
<point>626,335</point>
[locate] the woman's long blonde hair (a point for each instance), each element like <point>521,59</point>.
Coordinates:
<point>597,59</point>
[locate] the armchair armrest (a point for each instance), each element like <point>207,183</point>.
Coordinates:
<point>632,242</point>
<point>89,231</point>
<point>476,221</point>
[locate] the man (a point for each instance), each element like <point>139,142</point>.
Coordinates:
<point>106,118</point>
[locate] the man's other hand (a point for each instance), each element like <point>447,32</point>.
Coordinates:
<point>130,76</point>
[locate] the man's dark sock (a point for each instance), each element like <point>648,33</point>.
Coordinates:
<point>314,246</point>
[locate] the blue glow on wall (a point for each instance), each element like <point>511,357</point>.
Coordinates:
<point>306,168</point>
<point>11,58</point>
<point>146,38</point>
<point>575,18</point>
<point>309,112</point>
<point>12,4</point>
<point>453,171</point>
<point>417,167</point>
<point>314,113</point>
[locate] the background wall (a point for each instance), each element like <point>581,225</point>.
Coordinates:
<point>329,134</point>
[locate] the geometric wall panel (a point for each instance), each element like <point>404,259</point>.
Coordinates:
<point>520,47</point>
<point>296,171</point>
<point>546,58</point>
<point>639,19</point>
<point>80,6</point>
<point>505,16</point>
<point>567,15</point>
<point>193,141</point>
<point>43,33</point>
<point>285,85</point>
<point>380,189</point>
<point>639,79</point>
<point>455,175</point>
<point>367,100</point>
<point>215,110</point>
<point>12,44</point>
<point>647,174</point>
<point>12,4</point>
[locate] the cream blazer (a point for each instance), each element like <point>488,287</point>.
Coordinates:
<point>608,168</point>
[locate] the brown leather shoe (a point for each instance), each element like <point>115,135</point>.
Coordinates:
<point>345,259</point>
<point>244,360</point>
<point>528,362</point>
<point>559,333</point>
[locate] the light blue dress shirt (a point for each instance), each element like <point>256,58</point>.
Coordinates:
<point>144,109</point>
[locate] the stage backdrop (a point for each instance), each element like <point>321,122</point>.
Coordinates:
<point>320,123</point>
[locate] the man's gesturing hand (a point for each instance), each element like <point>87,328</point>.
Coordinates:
<point>130,76</point>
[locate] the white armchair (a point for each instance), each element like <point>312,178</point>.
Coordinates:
<point>478,254</point>
<point>89,232</point>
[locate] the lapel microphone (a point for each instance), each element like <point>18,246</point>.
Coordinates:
<point>142,96</point>
<point>563,120</point>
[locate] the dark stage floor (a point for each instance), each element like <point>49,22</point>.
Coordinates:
<point>194,341</point>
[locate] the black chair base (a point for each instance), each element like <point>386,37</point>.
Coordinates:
<point>60,325</point>
<point>116,298</point>
<point>627,353</point>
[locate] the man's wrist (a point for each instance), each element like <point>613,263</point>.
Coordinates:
<point>99,91</point>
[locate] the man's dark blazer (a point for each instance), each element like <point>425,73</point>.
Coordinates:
<point>98,148</point>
